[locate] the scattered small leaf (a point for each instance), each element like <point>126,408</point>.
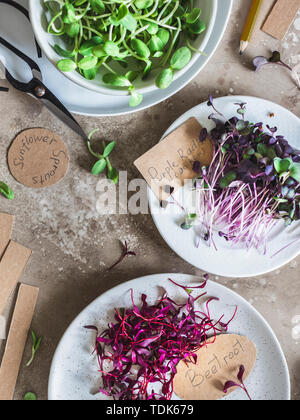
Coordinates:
<point>36,342</point>
<point>30,396</point>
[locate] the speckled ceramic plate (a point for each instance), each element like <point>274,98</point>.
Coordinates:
<point>74,373</point>
<point>227,260</point>
<point>16,29</point>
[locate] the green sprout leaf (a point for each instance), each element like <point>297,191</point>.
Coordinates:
<point>282,165</point>
<point>68,13</point>
<point>88,63</point>
<point>36,343</point>
<point>113,175</point>
<point>115,80</point>
<point>108,149</point>
<point>140,48</point>
<point>90,74</point>
<point>103,161</point>
<point>63,52</point>
<point>136,98</point>
<point>242,125</point>
<point>295,171</point>
<point>181,58</point>
<point>87,47</point>
<point>123,12</point>
<point>72,30</point>
<point>155,44</point>
<point>152,27</point>
<point>99,167</point>
<point>66,65</point>
<point>111,49</point>
<point>197,27</point>
<point>164,36</point>
<point>129,23</point>
<point>97,6</point>
<point>132,75</point>
<point>165,78</point>
<point>143,4</point>
<point>228,179</point>
<point>193,16</point>
<point>6,191</point>
<point>30,396</point>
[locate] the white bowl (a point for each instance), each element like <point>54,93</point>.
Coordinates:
<point>46,41</point>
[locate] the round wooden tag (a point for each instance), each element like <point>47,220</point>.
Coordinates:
<point>38,158</point>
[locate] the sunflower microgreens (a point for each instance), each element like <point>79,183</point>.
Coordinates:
<point>252,182</point>
<point>129,39</point>
<point>6,191</point>
<point>103,161</point>
<point>261,61</point>
<point>36,343</point>
<point>231,384</point>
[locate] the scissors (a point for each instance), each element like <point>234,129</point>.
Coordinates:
<point>38,90</point>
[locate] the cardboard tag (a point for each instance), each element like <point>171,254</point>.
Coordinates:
<point>21,321</point>
<point>170,162</point>
<point>6,224</point>
<point>218,363</point>
<point>281,18</point>
<point>11,268</point>
<point>38,158</point>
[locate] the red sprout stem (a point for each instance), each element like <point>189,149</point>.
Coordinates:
<point>125,254</point>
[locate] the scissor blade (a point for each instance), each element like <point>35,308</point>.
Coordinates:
<point>65,117</point>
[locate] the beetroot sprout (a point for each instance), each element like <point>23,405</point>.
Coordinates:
<point>231,384</point>
<point>125,254</point>
<point>138,353</point>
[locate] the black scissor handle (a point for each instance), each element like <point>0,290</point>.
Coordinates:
<point>32,64</point>
<point>25,13</point>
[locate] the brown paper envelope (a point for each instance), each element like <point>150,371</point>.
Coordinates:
<point>266,8</point>
<point>16,341</point>
<point>11,268</point>
<point>6,224</point>
<point>170,162</point>
<point>281,18</point>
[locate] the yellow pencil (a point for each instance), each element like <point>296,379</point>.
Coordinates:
<point>250,24</point>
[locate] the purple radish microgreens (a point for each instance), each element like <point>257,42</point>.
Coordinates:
<point>103,161</point>
<point>140,350</point>
<point>126,253</point>
<point>261,61</point>
<point>190,220</point>
<point>252,182</point>
<point>164,203</point>
<point>231,384</point>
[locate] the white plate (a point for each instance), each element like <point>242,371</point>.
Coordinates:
<point>79,100</point>
<point>74,373</point>
<point>46,41</point>
<point>231,261</point>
